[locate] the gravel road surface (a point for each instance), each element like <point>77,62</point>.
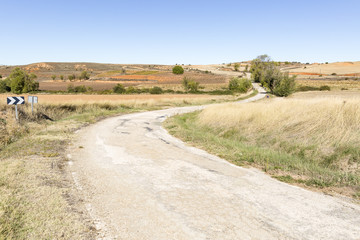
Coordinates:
<point>138,182</point>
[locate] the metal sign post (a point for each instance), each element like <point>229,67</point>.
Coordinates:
<point>32,100</point>
<point>15,101</point>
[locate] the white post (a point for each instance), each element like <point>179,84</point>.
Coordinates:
<point>16,112</point>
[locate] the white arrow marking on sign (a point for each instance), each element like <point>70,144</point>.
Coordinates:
<point>12,100</point>
<point>21,100</point>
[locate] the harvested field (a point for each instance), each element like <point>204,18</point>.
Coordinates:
<point>340,68</point>
<point>333,84</point>
<point>345,95</point>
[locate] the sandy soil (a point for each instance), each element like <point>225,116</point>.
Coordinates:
<point>138,182</point>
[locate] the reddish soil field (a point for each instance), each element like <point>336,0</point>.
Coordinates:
<point>131,80</point>
<point>169,78</point>
<point>62,86</point>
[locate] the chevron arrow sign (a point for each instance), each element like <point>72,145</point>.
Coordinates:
<point>15,100</point>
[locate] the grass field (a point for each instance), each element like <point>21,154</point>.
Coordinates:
<point>311,142</point>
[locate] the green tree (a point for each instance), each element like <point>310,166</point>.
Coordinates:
<point>3,86</point>
<point>258,65</point>
<point>119,88</point>
<point>178,70</point>
<point>84,75</point>
<point>236,67</point>
<point>267,72</point>
<point>239,84</point>
<point>53,77</point>
<point>62,77</point>
<point>285,85</point>
<point>22,82</point>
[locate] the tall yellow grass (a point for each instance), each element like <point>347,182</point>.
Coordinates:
<point>327,122</point>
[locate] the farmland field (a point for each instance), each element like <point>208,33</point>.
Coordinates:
<point>333,84</point>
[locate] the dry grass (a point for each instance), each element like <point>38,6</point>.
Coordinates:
<point>312,142</point>
<point>130,101</point>
<point>328,123</point>
<point>37,197</point>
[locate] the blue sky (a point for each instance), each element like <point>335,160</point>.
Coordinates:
<point>184,32</point>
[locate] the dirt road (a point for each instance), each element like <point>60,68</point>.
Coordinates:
<point>138,182</point>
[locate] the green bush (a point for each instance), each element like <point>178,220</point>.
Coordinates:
<point>21,82</point>
<point>333,74</point>
<point>132,90</point>
<point>239,84</point>
<point>70,88</point>
<point>324,88</point>
<point>178,70</point>
<point>80,89</point>
<point>190,85</point>
<point>156,90</point>
<point>3,86</point>
<point>119,88</point>
<point>236,67</point>
<point>84,75</point>
<point>77,89</point>
<point>193,86</point>
<point>284,86</point>
<point>306,88</point>
<point>71,77</point>
<point>53,77</point>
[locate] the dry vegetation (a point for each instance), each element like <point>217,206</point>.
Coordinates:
<point>37,197</point>
<point>106,76</point>
<point>333,84</point>
<point>308,142</point>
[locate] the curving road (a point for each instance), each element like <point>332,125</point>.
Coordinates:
<point>138,182</point>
